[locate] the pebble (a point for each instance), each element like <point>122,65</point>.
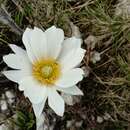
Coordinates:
<point>84,116</point>
<point>11,101</point>
<point>93,118</point>
<point>9,94</point>
<point>69,123</point>
<point>99,119</point>
<point>3,127</point>
<point>106,116</point>
<point>95,56</point>
<point>3,105</point>
<point>79,124</point>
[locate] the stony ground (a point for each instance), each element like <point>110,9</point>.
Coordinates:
<point>104,26</point>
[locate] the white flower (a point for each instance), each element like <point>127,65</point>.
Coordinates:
<point>47,66</point>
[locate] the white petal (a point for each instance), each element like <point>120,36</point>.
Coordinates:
<point>14,75</point>
<point>26,42</point>
<point>74,90</point>
<point>69,44</point>
<point>40,122</point>
<point>70,78</point>
<point>56,102</point>
<point>38,108</point>
<point>18,62</point>
<point>55,37</point>
<point>12,61</point>
<point>72,58</point>
<point>17,50</point>
<point>33,90</point>
<point>22,55</point>
<point>38,43</point>
<point>35,43</point>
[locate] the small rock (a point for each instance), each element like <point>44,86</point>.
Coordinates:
<point>3,105</point>
<point>93,118</point>
<point>69,123</point>
<point>9,94</point>
<point>106,116</point>
<point>3,127</point>
<point>99,119</point>
<point>95,57</point>
<point>84,116</point>
<point>79,124</point>
<point>11,100</point>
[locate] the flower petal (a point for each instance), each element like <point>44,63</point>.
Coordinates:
<point>74,90</point>
<point>38,108</point>
<point>14,75</point>
<point>40,121</point>
<point>56,102</point>
<point>39,43</point>
<point>12,61</point>
<point>33,89</point>
<point>74,56</point>
<point>17,50</point>
<point>55,37</point>
<point>70,78</point>
<point>26,42</point>
<point>69,44</point>
<point>35,43</point>
<point>22,55</point>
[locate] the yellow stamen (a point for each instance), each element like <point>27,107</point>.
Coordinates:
<point>46,71</point>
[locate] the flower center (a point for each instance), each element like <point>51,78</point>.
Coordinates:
<point>46,71</point>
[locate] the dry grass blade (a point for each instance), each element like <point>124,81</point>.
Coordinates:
<point>6,19</point>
